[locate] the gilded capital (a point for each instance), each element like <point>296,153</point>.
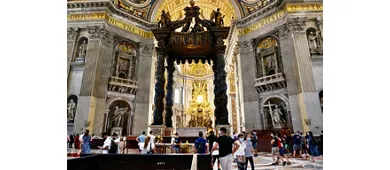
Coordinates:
<point>245,46</point>
<point>73,33</point>
<point>146,49</point>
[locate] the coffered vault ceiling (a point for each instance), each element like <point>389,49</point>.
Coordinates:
<point>150,10</point>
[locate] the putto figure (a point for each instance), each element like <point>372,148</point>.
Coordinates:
<point>218,18</point>
<point>165,19</point>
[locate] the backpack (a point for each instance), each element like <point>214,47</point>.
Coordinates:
<point>113,148</point>
<point>280,145</point>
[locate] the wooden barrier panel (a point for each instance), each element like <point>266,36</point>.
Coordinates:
<point>139,162</point>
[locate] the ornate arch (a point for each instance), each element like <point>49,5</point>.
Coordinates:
<point>113,99</point>
<point>279,96</point>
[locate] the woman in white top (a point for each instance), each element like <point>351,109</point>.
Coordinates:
<point>215,154</point>
<point>147,147</point>
<point>240,153</point>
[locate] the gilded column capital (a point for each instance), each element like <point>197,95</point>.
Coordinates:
<point>94,31</point>
<point>296,25</point>
<point>146,49</point>
<point>245,46</point>
<point>73,33</point>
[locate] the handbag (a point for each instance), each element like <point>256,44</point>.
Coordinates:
<point>241,158</point>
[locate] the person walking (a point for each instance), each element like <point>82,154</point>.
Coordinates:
<point>226,149</point>
<point>313,147</point>
<point>275,149</point>
<point>305,148</point>
<point>77,142</point>
<point>115,143</point>
<point>282,150</point>
<point>147,147</point>
<point>297,147</point>
<point>152,137</point>
<point>71,141</point>
<point>141,139</point>
<point>248,151</point>
<point>211,140</point>
<point>86,143</point>
<point>107,143</point>
<point>240,153</point>
<point>175,142</point>
<point>254,142</point>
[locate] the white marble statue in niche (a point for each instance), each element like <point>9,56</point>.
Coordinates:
<point>71,110</point>
<point>117,116</point>
<point>82,49</point>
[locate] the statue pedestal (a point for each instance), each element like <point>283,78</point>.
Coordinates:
<point>168,131</point>
<point>70,128</point>
<point>158,130</point>
<point>117,130</point>
<point>191,131</point>
<point>79,60</point>
<point>228,132</point>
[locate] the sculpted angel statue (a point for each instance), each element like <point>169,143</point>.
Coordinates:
<point>117,116</point>
<point>217,16</point>
<point>164,20</point>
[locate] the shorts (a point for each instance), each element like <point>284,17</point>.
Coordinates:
<point>275,151</point>
<point>254,145</point>
<point>281,151</point>
<point>297,147</point>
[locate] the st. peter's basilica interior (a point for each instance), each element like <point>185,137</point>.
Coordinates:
<point>194,65</point>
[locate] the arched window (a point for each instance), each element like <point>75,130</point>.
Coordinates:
<point>268,60</point>
<point>125,59</point>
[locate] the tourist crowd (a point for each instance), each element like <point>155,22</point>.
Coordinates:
<point>238,148</point>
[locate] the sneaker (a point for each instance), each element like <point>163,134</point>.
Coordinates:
<point>284,163</point>
<point>288,163</point>
<point>256,155</point>
<point>273,163</point>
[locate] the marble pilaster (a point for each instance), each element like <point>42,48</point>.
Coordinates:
<point>304,102</point>
<point>95,78</point>
<point>250,101</point>
<point>142,99</point>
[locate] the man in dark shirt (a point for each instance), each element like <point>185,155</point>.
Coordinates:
<point>297,144</point>
<point>200,145</point>
<point>226,149</point>
<point>211,139</point>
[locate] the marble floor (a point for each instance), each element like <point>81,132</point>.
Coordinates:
<point>264,161</point>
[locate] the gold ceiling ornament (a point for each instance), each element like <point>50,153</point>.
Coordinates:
<point>199,69</point>
<point>126,48</point>
<point>267,43</point>
<point>175,8</point>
